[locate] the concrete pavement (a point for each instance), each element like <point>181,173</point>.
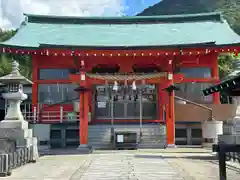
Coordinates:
<point>170,164</point>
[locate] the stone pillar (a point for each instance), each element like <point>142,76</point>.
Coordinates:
<point>215,74</point>
<point>231,130</point>
<point>236,101</point>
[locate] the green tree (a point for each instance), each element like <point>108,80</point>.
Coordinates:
<point>5,35</point>
<point>225,62</point>
<point>229,8</point>
<point>25,62</point>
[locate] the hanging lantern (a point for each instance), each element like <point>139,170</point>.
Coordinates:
<point>134,87</point>
<point>58,87</point>
<point>115,86</point>
<point>82,63</point>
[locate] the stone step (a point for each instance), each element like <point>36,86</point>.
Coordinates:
<point>126,126</point>
<point>99,141</point>
<point>152,135</point>
<point>126,129</point>
<point>95,141</point>
<point>159,145</point>
<point>108,136</point>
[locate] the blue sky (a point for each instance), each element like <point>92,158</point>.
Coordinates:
<point>11,11</point>
<point>136,6</point>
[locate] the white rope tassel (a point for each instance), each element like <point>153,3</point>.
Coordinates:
<point>115,86</point>
<point>58,88</point>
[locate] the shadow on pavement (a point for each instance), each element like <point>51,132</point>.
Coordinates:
<point>176,152</point>
<point>210,158</point>
<point>63,151</point>
<point>205,158</point>
<point>149,156</point>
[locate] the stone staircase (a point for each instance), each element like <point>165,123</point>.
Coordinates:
<point>153,135</point>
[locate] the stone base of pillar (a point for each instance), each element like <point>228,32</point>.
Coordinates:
<point>84,149</point>
<point>171,146</point>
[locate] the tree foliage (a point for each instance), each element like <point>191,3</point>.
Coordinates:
<point>25,62</point>
<point>229,8</point>
<point>225,64</point>
<point>5,35</point>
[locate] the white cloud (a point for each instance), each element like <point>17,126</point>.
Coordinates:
<point>11,10</point>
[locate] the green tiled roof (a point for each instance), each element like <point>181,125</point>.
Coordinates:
<point>156,31</point>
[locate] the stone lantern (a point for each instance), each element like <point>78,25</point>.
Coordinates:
<point>14,131</point>
<point>14,95</point>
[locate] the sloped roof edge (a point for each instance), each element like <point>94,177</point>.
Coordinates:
<point>213,16</point>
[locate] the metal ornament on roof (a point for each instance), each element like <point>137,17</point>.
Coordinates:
<point>126,77</point>
<point>48,53</point>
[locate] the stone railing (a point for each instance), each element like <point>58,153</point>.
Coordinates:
<point>39,113</point>
<point>231,135</point>
<point>233,156</point>
<point>224,150</point>
<point>20,157</point>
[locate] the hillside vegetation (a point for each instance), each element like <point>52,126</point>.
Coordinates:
<point>229,8</point>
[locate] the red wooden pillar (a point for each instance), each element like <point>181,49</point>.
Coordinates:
<point>83,112</point>
<point>84,119</point>
<point>170,121</point>
<point>81,118</point>
<point>160,102</point>
<point>35,88</point>
<point>215,74</point>
<point>34,79</point>
<point>170,117</point>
